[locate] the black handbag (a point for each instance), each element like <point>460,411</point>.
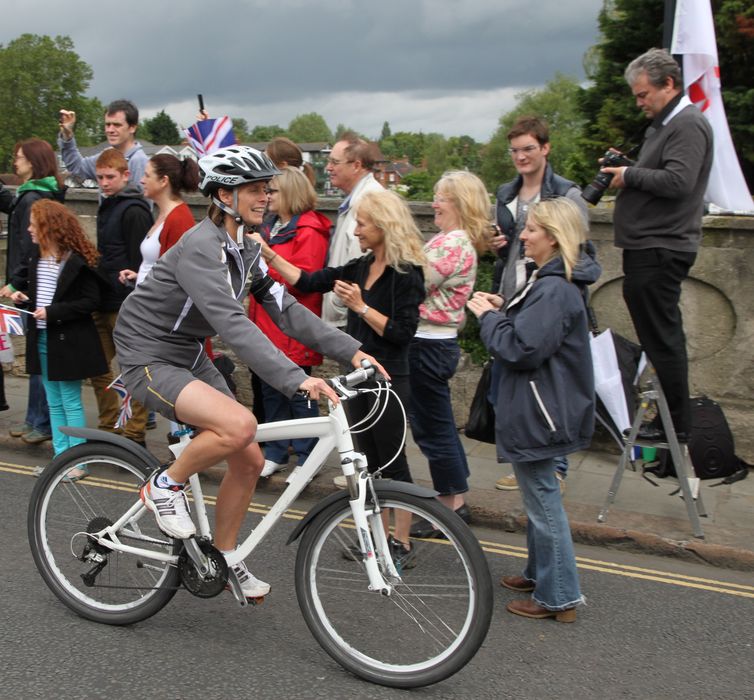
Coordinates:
<point>481,423</point>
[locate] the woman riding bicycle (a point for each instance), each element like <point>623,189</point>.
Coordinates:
<point>195,291</point>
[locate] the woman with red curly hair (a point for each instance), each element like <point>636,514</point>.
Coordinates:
<point>62,342</point>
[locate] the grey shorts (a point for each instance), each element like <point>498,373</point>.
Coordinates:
<point>158,384</point>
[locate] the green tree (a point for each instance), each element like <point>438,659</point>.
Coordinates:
<point>240,129</point>
<point>39,76</point>
<point>418,186</point>
<point>628,28</point>
<point>265,133</point>
<point>309,128</point>
<point>160,129</point>
<point>559,103</point>
<point>385,133</point>
<point>405,143</point>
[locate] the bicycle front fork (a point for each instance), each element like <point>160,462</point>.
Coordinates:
<point>372,537</point>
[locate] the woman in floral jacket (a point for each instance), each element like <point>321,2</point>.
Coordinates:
<point>462,213</point>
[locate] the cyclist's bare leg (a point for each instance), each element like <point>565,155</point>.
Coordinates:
<point>235,494</point>
<point>226,428</point>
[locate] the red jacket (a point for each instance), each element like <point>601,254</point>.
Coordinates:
<point>303,242</point>
<point>176,224</point>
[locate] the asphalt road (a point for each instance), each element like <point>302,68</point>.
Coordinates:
<point>653,628</point>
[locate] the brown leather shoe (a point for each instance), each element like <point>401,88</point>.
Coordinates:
<point>517,583</point>
<point>528,608</point>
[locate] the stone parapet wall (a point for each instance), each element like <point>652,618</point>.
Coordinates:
<point>717,304</point>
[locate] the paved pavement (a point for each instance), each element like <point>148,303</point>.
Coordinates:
<point>644,517</point>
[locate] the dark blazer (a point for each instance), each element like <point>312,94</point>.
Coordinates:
<point>74,350</point>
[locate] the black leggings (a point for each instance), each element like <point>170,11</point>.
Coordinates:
<point>381,442</point>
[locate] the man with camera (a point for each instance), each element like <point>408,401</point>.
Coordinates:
<point>658,222</point>
<point>529,147</point>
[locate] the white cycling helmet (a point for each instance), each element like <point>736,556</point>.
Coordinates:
<point>233,166</point>
<point>229,168</point>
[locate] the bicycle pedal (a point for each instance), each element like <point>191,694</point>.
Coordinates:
<point>256,601</point>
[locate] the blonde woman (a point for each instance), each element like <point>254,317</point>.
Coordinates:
<point>462,213</point>
<point>382,291</point>
<point>543,391</point>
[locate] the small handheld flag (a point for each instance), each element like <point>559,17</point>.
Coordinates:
<point>210,134</point>
<point>10,320</point>
<point>126,410</point>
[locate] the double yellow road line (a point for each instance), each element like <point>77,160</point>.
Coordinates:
<point>496,548</point>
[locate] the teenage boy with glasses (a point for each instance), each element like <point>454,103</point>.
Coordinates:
<point>529,146</point>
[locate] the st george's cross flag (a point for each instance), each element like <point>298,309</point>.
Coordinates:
<point>694,39</point>
<point>10,320</point>
<point>208,135</point>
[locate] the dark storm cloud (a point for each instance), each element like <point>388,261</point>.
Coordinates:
<point>253,52</point>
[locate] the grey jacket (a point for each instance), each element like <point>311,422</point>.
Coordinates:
<point>662,203</point>
<point>195,290</point>
<point>542,377</point>
<point>83,167</point>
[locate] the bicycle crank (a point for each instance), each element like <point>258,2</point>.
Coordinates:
<point>203,569</point>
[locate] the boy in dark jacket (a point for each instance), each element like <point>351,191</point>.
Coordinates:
<point>123,220</point>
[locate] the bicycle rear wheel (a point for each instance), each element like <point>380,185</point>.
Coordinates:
<point>100,584</point>
<point>429,628</point>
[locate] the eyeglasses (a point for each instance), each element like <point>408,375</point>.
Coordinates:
<point>335,161</point>
<point>525,149</point>
<point>439,199</point>
<point>270,190</point>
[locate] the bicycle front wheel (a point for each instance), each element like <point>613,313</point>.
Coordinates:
<point>98,583</point>
<point>436,617</point>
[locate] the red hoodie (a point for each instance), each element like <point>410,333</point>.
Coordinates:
<point>303,242</point>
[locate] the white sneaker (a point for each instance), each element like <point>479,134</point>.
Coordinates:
<point>507,483</point>
<point>271,467</point>
<point>251,586</point>
<point>170,508</point>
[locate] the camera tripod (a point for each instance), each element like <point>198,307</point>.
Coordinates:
<point>679,453</point>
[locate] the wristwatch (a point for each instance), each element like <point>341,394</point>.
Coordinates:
<point>364,310</point>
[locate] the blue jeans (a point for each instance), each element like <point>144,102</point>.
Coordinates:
<point>64,400</point>
<point>432,363</point>
<point>279,407</point>
<point>551,564</point>
<point>37,410</point>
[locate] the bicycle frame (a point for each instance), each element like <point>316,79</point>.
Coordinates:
<point>333,432</point>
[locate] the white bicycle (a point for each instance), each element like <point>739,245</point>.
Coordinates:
<point>405,622</point>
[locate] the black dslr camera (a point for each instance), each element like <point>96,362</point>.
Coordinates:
<point>596,188</point>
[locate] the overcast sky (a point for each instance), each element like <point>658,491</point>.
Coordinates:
<point>450,66</point>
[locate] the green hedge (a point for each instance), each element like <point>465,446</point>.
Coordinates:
<point>468,338</point>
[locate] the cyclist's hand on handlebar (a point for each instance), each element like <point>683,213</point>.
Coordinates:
<point>361,355</point>
<point>316,387</point>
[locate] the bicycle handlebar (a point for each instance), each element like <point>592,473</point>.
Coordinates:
<point>344,382</point>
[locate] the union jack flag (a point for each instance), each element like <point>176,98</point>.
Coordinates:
<point>126,410</point>
<point>207,136</point>
<point>10,320</point>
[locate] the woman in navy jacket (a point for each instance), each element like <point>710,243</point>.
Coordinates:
<point>62,342</point>
<point>543,391</point>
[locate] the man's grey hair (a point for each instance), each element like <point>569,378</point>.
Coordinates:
<point>659,65</point>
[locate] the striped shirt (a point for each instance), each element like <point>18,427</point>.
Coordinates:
<point>48,270</point>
